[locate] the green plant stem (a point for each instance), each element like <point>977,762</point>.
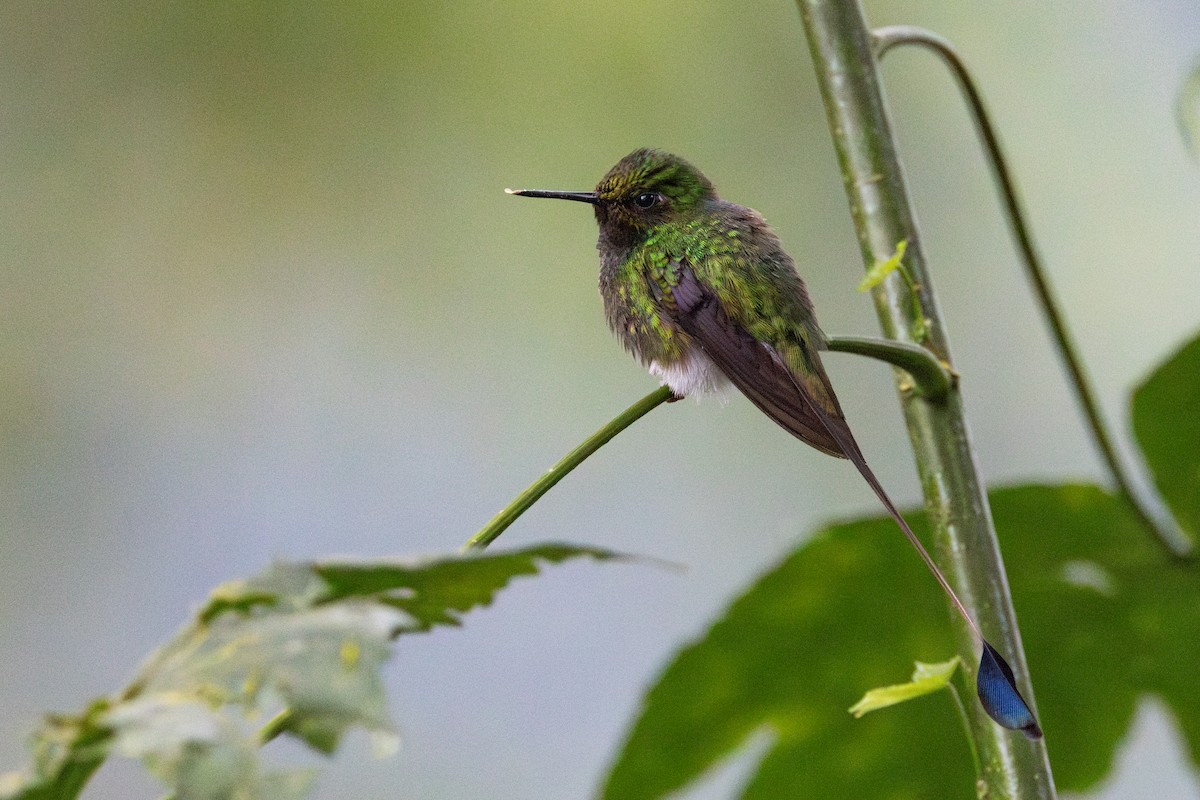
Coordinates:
<point>1146,503</point>
<point>931,378</point>
<point>966,545</point>
<point>965,719</point>
<point>508,515</point>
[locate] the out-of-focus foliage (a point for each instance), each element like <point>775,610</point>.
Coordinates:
<point>1168,430</point>
<point>1106,618</point>
<point>306,640</point>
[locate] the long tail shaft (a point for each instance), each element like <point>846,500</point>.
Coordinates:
<point>873,482</point>
<point>850,449</point>
<point>995,682</point>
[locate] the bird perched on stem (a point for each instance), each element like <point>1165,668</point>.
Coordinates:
<point>701,292</point>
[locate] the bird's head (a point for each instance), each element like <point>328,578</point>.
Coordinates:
<point>644,189</point>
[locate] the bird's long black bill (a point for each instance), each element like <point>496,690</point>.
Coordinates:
<point>583,197</point>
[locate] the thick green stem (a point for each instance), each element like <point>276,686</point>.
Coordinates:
<point>1146,503</point>
<point>508,515</point>
<point>1012,766</point>
<point>930,377</point>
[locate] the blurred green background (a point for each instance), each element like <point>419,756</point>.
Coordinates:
<point>262,296</point>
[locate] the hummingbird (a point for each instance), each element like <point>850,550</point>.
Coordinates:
<point>702,293</point>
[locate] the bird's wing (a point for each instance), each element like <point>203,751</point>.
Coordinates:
<point>762,374</point>
<point>756,368</point>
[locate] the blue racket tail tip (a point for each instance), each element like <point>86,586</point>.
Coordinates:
<point>998,694</point>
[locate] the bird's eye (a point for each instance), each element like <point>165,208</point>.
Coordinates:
<point>647,200</point>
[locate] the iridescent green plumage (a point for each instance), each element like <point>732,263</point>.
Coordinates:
<point>701,291</point>
<point>735,257</point>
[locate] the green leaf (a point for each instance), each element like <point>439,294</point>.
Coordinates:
<point>1168,430</point>
<point>293,656</point>
<point>926,679</point>
<point>843,612</point>
<point>882,269</point>
<point>307,637</point>
<point>1105,620</point>
<point>436,591</point>
<point>200,752</point>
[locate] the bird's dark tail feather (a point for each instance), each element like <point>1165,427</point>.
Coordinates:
<point>995,684</point>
